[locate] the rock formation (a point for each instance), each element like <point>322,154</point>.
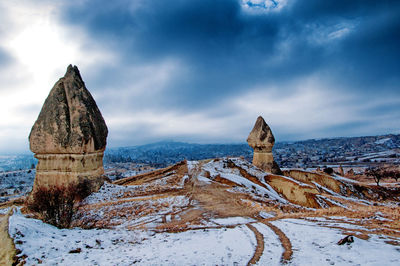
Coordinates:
<point>69,136</point>
<point>262,140</point>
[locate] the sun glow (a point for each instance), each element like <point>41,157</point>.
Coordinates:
<point>40,48</point>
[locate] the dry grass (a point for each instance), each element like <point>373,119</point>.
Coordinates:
<point>212,200</point>
<point>188,219</point>
<point>215,199</point>
<point>180,169</point>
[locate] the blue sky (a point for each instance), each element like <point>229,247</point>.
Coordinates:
<point>203,70</point>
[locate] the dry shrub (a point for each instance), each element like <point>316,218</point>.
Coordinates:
<point>328,170</point>
<point>55,204</point>
<point>383,172</point>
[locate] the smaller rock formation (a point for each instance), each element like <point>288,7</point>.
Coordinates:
<point>69,136</point>
<point>262,141</point>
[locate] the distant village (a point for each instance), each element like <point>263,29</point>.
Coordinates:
<point>348,152</point>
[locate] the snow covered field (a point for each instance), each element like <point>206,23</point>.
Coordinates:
<point>316,245</point>
<point>216,213</point>
<point>312,244</point>
<point>122,247</point>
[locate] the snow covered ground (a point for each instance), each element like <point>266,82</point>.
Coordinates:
<point>218,168</point>
<point>208,228</point>
<point>226,246</point>
<point>272,246</point>
<point>232,220</point>
<point>317,245</point>
<point>312,244</point>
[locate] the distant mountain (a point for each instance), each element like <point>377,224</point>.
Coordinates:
<point>161,154</point>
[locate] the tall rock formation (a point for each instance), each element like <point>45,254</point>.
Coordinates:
<point>69,136</point>
<point>262,140</point>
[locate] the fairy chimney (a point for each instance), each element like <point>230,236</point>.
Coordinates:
<point>69,136</point>
<point>262,141</point>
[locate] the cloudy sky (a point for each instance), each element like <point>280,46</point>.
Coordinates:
<point>203,70</point>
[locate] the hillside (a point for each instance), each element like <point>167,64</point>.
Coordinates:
<point>221,211</point>
<point>355,153</point>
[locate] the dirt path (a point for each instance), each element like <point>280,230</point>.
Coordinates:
<point>285,241</point>
<point>260,245</point>
<point>7,250</point>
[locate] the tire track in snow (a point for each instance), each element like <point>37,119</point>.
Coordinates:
<point>285,241</point>
<point>260,245</point>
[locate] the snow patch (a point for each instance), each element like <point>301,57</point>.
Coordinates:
<point>266,215</point>
<point>232,220</point>
<point>317,245</point>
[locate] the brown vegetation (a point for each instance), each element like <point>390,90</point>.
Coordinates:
<point>221,198</point>
<point>55,204</point>
<point>383,172</point>
<point>180,168</point>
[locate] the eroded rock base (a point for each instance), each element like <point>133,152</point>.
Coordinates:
<point>265,161</point>
<point>65,169</point>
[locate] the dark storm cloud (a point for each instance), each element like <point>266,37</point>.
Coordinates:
<point>226,51</point>
<point>368,59</point>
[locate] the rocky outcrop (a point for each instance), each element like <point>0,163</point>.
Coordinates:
<point>262,141</point>
<point>69,136</point>
<point>347,240</point>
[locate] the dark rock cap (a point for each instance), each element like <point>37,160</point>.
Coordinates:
<point>261,135</point>
<point>70,121</point>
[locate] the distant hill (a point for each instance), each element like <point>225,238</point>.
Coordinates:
<point>17,162</point>
<point>353,150</point>
<point>306,153</point>
<point>161,154</point>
